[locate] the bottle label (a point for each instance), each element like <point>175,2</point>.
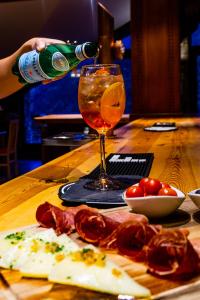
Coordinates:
<point>30,69</point>
<point>59,62</point>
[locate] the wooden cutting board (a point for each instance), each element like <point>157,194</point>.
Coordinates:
<point>13,286</point>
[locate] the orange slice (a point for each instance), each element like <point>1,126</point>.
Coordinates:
<point>102,71</point>
<point>113,103</point>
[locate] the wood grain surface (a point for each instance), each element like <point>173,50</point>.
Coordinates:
<point>176,161</point>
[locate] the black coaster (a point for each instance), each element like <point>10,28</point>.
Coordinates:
<point>74,193</point>
<point>196,216</point>
<point>128,168</point>
<point>165,124</point>
<point>179,217</point>
<point>124,164</point>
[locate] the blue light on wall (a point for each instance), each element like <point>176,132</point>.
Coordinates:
<point>58,97</point>
<point>195,38</point>
<point>127,42</point>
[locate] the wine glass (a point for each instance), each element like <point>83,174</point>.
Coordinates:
<point>101,99</point>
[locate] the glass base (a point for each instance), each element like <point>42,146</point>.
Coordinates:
<point>104,184</point>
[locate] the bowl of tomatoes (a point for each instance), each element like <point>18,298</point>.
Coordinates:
<point>153,198</point>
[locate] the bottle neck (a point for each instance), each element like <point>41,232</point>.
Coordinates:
<point>86,50</point>
<point>80,52</point>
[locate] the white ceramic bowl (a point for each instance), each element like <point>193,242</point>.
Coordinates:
<point>195,197</point>
<point>155,206</point>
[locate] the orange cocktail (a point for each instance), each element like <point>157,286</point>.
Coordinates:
<point>101,97</point>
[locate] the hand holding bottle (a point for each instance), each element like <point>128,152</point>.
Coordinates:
<point>37,43</point>
<point>8,81</point>
<point>52,62</point>
<point>55,56</point>
<point>40,44</point>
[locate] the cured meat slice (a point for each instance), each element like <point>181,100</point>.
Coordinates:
<point>100,229</point>
<point>196,245</point>
<point>51,216</point>
<point>124,216</point>
<point>47,214</point>
<point>110,242</point>
<point>171,254</point>
<point>132,237</point>
<point>93,226</point>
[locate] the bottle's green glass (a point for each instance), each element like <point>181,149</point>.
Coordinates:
<point>55,60</point>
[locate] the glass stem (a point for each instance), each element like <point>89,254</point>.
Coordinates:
<point>103,173</point>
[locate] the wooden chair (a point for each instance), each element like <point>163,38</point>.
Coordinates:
<point>8,153</point>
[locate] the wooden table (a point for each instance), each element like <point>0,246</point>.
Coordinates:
<point>176,161</point>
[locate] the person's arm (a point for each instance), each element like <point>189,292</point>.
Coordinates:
<point>8,81</point>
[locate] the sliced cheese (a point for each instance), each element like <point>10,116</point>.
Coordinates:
<point>9,242</point>
<point>91,269</point>
<point>36,253</point>
<point>41,253</point>
<point>44,253</point>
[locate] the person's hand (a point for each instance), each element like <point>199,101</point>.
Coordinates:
<point>39,44</point>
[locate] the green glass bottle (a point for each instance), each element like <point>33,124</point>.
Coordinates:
<point>55,60</point>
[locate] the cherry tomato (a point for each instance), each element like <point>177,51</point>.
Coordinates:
<point>134,191</point>
<point>165,185</point>
<point>143,182</point>
<point>152,186</point>
<point>167,192</point>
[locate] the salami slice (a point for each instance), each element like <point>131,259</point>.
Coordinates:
<point>93,226</point>
<point>170,254</point>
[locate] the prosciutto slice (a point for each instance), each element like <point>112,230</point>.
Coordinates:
<point>51,216</point>
<point>93,226</point>
<point>130,237</point>
<point>122,231</point>
<point>102,230</point>
<point>125,216</point>
<point>133,237</point>
<point>171,254</point>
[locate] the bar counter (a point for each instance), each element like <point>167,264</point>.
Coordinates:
<point>176,161</point>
